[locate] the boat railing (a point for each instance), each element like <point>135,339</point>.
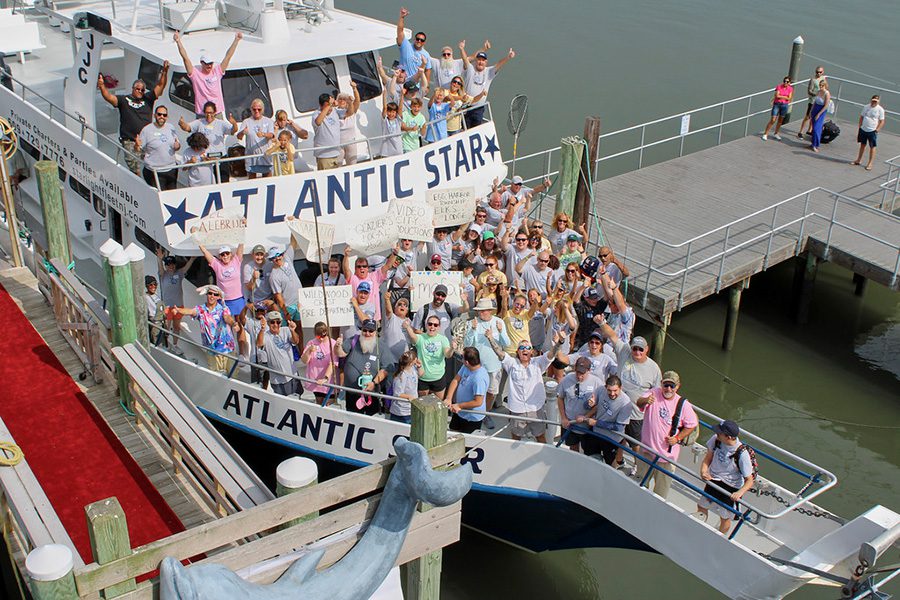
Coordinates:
<point>371,142</point>
<point>891,185</point>
<point>819,476</point>
<point>689,131</point>
<point>796,213</point>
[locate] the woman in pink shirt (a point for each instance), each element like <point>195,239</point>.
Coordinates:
<point>207,78</point>
<point>227,267</point>
<point>321,360</point>
<point>781,101</point>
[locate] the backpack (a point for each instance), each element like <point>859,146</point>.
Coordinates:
<point>676,418</point>
<point>427,307</point>
<point>830,130</point>
<point>754,464</point>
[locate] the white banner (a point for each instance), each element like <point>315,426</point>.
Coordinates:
<point>225,227</point>
<point>414,220</point>
<point>422,284</point>
<point>305,234</point>
<point>453,206</point>
<point>377,234</point>
<point>312,305</point>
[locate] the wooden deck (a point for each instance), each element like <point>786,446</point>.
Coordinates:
<point>680,199</point>
<point>178,493</point>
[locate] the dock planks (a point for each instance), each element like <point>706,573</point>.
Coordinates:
<point>688,196</point>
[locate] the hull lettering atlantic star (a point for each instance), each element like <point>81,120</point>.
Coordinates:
<point>343,197</point>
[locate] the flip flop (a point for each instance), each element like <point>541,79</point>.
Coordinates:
<point>869,168</point>
<point>855,163</point>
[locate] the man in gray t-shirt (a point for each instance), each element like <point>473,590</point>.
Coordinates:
<point>284,281</point>
<point>327,133</point>
<point>278,344</point>
<point>574,393</point>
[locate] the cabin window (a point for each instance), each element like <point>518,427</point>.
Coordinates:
<point>363,72</point>
<point>239,88</point>
<point>62,173</point>
<point>80,189</point>
<point>99,206</point>
<point>309,79</point>
<point>148,72</point>
<point>144,238</point>
<point>29,149</point>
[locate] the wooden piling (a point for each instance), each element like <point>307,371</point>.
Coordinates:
<point>108,532</point>
<point>859,283</point>
<point>794,70</point>
<point>53,207</point>
<point>584,193</point>
<point>429,428</point>
<point>139,291</point>
<point>293,475</point>
<point>658,344</point>
<point>804,281</point>
<point>50,575</point>
<point>120,304</point>
<point>571,151</point>
<point>731,318</point>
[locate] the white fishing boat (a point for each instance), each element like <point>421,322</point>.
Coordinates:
<point>537,496</point>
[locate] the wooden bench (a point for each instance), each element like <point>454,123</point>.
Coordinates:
<point>222,477</point>
<point>34,522</point>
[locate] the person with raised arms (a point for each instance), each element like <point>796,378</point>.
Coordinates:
<point>206,79</point>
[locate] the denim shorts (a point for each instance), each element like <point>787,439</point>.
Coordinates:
<point>780,109</point>
<point>867,137</point>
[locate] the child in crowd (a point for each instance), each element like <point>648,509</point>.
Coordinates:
<point>438,109</point>
<point>391,127</point>
<point>405,386</point>
<point>198,144</point>
<point>282,152</point>
<point>413,126</point>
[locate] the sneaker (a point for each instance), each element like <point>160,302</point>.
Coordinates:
<point>488,422</point>
<point>777,137</point>
<point>765,137</point>
<point>800,135</point>
<point>631,471</point>
<point>700,516</point>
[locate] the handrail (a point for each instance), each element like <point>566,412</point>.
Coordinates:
<point>788,508</point>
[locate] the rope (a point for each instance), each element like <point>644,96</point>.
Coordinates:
<point>12,454</point>
<point>805,414</point>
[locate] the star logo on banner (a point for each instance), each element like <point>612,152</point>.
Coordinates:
<point>491,147</point>
<point>178,215</point>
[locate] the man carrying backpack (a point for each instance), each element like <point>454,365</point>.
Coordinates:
<point>729,465</point>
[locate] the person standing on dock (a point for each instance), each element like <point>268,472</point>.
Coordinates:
<point>668,419</point>
<point>135,111</point>
<point>871,120</point>
<point>781,102</point>
<point>812,89</point>
<point>206,79</point>
<point>818,113</point>
<point>479,77</point>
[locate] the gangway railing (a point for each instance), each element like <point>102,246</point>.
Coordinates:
<point>891,185</point>
<point>797,227</point>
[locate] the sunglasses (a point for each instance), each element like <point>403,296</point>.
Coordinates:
<point>538,226</point>
<point>524,347</point>
<point>362,266</point>
<point>670,386</point>
<point>213,294</point>
<point>520,306</point>
<point>447,54</point>
<point>138,89</point>
<point>604,255</point>
<point>491,264</point>
<point>437,262</point>
<point>224,253</point>
<point>255,108</point>
<point>521,239</point>
<point>637,349</point>
<point>571,271</point>
<point>421,40</point>
<point>159,114</point>
<point>433,324</point>
<point>546,260</point>
<point>561,221</point>
<point>440,294</point>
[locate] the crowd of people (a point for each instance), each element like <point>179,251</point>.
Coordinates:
<point>424,100</point>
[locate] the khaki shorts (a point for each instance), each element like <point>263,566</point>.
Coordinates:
<point>520,428</point>
<point>218,362</point>
<point>323,164</point>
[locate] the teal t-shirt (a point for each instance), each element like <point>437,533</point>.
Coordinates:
<point>411,138</point>
<point>431,353</point>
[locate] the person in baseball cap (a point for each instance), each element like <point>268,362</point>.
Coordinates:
<point>669,376</point>
<point>730,469</point>
<point>728,428</point>
<point>583,365</point>
<point>369,325</point>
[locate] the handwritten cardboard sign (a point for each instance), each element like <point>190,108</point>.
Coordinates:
<point>226,227</point>
<point>305,234</point>
<point>311,301</point>
<point>422,284</point>
<point>373,235</point>
<point>413,218</point>
<point>452,206</point>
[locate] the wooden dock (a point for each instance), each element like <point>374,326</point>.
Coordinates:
<point>669,221</point>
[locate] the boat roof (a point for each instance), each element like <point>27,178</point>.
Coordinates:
<point>345,33</point>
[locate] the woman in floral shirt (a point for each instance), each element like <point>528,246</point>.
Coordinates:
<point>215,327</point>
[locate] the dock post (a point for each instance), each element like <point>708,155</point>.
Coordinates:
<point>108,532</point>
<point>136,257</point>
<point>794,68</point>
<point>429,428</point>
<point>53,207</point>
<point>859,283</point>
<point>659,338</point>
<point>571,150</point>
<point>804,280</point>
<point>295,474</point>
<point>120,306</point>
<point>584,193</point>
<point>731,318</point>
<point>50,574</point>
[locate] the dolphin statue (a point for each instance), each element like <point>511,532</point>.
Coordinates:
<point>359,573</point>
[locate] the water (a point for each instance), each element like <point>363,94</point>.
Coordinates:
<point>630,62</point>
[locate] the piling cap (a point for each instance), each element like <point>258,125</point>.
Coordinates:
<point>108,247</point>
<point>49,562</point>
<point>119,258</point>
<point>296,472</point>
<point>135,253</point>
<point>798,39</point>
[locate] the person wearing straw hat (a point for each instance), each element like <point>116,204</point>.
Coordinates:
<point>475,337</point>
<point>279,346</point>
<point>215,327</point>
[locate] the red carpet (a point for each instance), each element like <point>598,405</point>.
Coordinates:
<point>74,455</point>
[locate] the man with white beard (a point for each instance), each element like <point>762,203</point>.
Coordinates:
<point>445,68</point>
<point>366,366</point>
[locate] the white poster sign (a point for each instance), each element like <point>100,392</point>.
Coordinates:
<point>311,302</point>
<point>453,206</point>
<point>414,219</point>
<point>373,235</point>
<point>226,227</point>
<point>685,124</point>
<point>422,286</point>
<point>305,234</point>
